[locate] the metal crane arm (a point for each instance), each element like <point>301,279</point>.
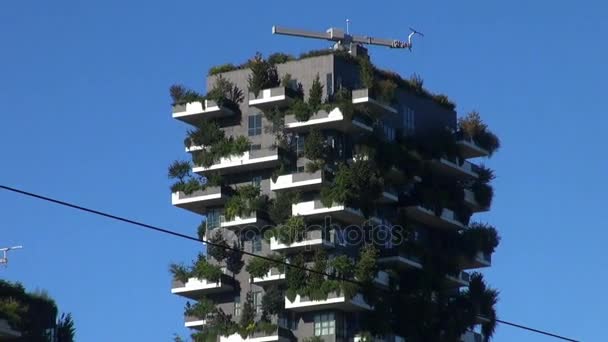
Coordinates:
<point>302,33</point>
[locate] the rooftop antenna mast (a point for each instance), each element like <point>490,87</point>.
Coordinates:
<point>344,40</point>
<point>4,259</point>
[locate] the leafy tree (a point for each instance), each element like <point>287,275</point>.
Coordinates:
<point>180,272</point>
<point>224,90</point>
<point>204,270</point>
<point>180,95</point>
<point>366,72</point>
<point>234,260</point>
<point>218,249</point>
<point>248,312</point>
<point>179,170</point>
<point>472,127</point>
<point>295,277</point>
<point>273,301</point>
<point>292,230</point>
<point>263,75</point>
<point>315,95</point>
<point>280,209</point>
<point>65,330</point>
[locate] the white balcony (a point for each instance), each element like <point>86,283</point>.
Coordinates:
<point>196,112</point>
<point>280,334</point>
<point>254,219</point>
<point>303,181</point>
<point>447,219</point>
<point>364,98</point>
<point>333,120</point>
<point>312,240</point>
<point>458,280</point>
<point>248,161</point>
<point>382,279</point>
<point>454,168</point>
<point>469,149</point>
<point>272,277</point>
<point>316,210</point>
<point>199,201</point>
<point>195,322</point>
<point>471,202</point>
<point>195,288</point>
<point>270,98</point>
<point>333,301</point>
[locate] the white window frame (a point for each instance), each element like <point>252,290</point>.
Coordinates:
<point>325,324</point>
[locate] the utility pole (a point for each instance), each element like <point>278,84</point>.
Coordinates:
<point>4,259</point>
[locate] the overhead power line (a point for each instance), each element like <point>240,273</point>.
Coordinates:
<point>174,233</point>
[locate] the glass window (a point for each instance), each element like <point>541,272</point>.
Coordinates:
<point>408,120</point>
<point>256,244</point>
<point>300,145</point>
<point>330,84</point>
<point>257,301</point>
<point>325,324</point>
<point>255,124</point>
<point>213,218</point>
<point>256,181</point>
<point>237,306</point>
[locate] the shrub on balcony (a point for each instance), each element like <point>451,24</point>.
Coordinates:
<point>186,181</point>
<point>201,230</point>
<point>246,200</point>
<point>247,318</point>
<point>479,237</point>
<point>386,91</point>
<point>314,150</point>
<point>204,270</point>
<point>366,267</point>
<point>279,58</point>
<point>280,208</point>
<point>483,300</point>
<point>472,127</point>
<point>225,93</point>
<point>180,95</point>
<point>291,231</point>
<point>180,272</point>
<point>223,148</point>
<point>367,73</point>
<point>315,95</point>
<point>218,69</point>
<point>263,75</point>
<point>207,134</point>
<point>200,309</point>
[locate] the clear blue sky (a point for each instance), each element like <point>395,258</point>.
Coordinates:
<point>85,117</point>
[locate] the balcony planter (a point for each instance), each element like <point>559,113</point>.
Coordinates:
<point>200,200</point>
<point>447,219</point>
<point>365,98</point>
<point>272,97</point>
<point>194,113</point>
<point>303,181</point>
<point>334,301</point>
<point>196,288</point>
<point>248,161</point>
<point>335,119</point>
<point>312,240</point>
<point>316,209</point>
<point>455,168</point>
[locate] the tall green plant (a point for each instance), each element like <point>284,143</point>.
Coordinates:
<point>315,96</point>
<point>263,75</point>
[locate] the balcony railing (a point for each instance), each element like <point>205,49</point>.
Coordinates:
<point>471,202</point>
<point>253,219</point>
<point>333,301</point>
<point>316,209</point>
<point>455,167</point>
<point>303,181</point>
<point>400,259</point>
<point>446,220</point>
<point>250,160</point>
<point>273,276</point>
<point>335,119</point>
<point>365,98</point>
<point>280,334</point>
<point>196,112</point>
<point>200,200</point>
<point>273,97</point>
<point>458,279</point>
<point>194,322</point>
<point>469,149</point>
<point>311,240</point>
<point>480,260</point>
<point>195,288</point>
